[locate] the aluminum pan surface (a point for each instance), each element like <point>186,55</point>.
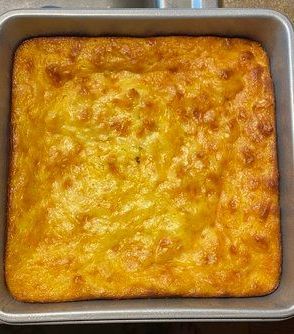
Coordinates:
<point>276,35</point>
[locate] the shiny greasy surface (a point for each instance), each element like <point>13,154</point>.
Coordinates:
<point>142,167</point>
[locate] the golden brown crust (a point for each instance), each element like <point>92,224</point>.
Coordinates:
<point>142,167</point>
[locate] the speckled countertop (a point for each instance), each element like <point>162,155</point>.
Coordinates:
<point>284,6</point>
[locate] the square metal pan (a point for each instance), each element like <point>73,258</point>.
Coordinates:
<point>275,33</point>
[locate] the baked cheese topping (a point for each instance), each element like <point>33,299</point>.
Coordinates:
<point>142,167</point>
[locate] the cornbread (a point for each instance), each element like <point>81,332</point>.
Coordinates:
<point>142,167</point>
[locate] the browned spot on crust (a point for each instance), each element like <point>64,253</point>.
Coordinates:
<point>273,183</point>
<point>123,103</point>
<point>149,104</point>
<point>179,94</point>
<point>58,74</point>
<point>265,126</point>
<point>225,74</point>
<point>28,64</point>
<point>147,126</point>
<point>233,124</point>
<point>121,126</point>
<point>190,189</point>
<point>268,86</point>
<point>246,55</point>
<point>256,73</point>
<point>264,209</point>
<point>200,155</point>
<point>274,209</point>
<point>78,279</point>
<point>112,165</point>
<point>214,178</point>
<point>210,258</point>
<point>133,93</point>
<point>261,242</point>
<point>67,183</point>
<point>173,69</point>
<point>202,104</point>
<point>233,250</point>
<point>248,156</point>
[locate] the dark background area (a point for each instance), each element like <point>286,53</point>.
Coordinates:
<point>279,327</point>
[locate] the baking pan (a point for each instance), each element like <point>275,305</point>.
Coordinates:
<point>269,28</point>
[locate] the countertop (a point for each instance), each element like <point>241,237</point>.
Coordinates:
<point>284,6</point>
